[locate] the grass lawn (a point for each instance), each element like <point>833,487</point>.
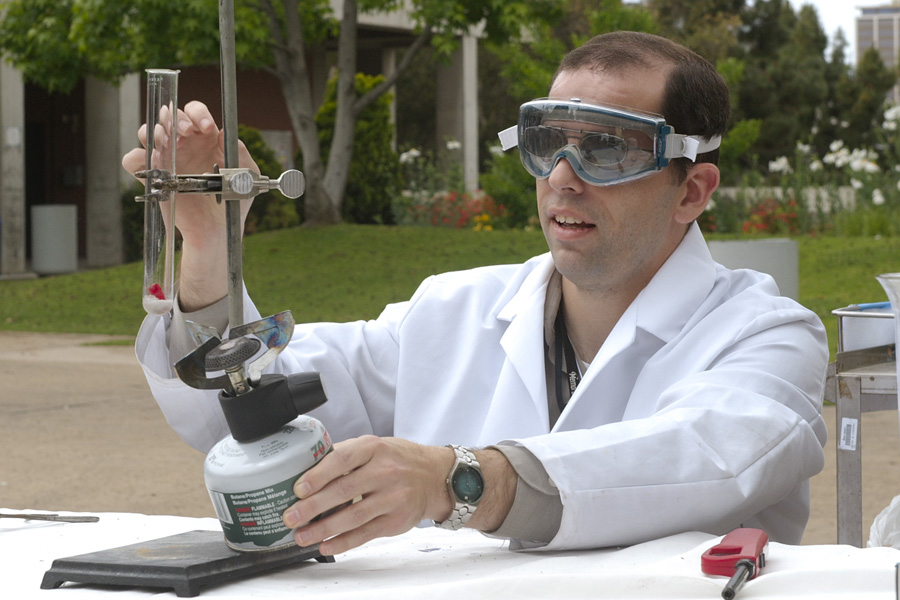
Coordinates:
<point>350,272</point>
<point>338,273</point>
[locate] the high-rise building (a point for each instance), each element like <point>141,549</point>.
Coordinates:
<point>879,27</point>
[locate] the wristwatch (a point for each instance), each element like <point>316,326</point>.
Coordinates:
<point>466,485</point>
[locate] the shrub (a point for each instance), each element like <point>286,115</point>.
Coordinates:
<point>133,223</point>
<point>374,177</point>
<point>773,217</point>
<point>512,187</point>
<point>270,210</point>
<point>452,209</point>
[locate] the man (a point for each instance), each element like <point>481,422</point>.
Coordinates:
<point>622,388</point>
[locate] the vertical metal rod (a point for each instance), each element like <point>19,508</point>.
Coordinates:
<point>229,119</point>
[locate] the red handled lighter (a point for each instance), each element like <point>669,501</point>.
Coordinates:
<point>741,555</point>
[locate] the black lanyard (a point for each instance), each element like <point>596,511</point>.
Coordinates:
<point>563,344</point>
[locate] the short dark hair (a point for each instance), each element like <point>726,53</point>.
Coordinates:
<point>696,100</point>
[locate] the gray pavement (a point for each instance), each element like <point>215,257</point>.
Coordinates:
<point>80,431</point>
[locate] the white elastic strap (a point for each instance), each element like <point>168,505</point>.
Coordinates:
<point>509,138</point>
<point>689,146</point>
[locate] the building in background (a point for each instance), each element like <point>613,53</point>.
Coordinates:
<point>879,27</point>
<point>64,150</point>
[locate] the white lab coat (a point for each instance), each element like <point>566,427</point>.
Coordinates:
<point>702,411</point>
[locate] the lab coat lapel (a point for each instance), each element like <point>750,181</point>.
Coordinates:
<point>591,401</point>
<point>523,372</point>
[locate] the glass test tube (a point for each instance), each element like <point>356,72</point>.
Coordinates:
<point>159,205</point>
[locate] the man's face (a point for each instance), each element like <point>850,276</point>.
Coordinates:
<point>610,238</point>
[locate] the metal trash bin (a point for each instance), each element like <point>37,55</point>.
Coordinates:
<point>54,238</point>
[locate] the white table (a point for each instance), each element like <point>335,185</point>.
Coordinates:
<point>435,564</point>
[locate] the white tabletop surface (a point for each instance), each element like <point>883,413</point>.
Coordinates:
<point>434,564</point>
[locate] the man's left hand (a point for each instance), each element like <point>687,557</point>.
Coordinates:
<point>395,484</point>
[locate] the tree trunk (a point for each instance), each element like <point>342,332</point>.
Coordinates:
<point>341,152</point>
<point>290,68</point>
<point>319,207</point>
<point>325,186</point>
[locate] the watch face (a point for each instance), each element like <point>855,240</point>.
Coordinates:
<point>468,484</point>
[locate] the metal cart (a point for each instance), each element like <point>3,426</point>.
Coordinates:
<point>862,378</point>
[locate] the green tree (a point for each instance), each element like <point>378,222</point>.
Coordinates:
<point>708,27</point>
<point>738,141</point>
<point>785,76</point>
<point>838,75</point>
<point>55,42</point>
<point>861,98</point>
<point>767,26</point>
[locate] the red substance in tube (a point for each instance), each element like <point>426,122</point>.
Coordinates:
<point>156,290</point>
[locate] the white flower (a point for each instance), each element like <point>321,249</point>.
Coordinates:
<point>712,204</point>
<point>453,145</point>
<point>842,159</point>
<point>877,197</point>
<point>816,165</point>
<point>845,124</point>
<point>496,150</point>
<point>856,183</point>
<point>890,125</point>
<point>803,148</point>
<point>409,156</point>
<point>893,113</point>
<point>836,145</point>
<point>861,164</point>
<point>780,165</point>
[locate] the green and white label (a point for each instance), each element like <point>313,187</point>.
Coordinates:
<point>254,517</point>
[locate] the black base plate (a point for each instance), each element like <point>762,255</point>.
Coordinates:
<point>183,563</point>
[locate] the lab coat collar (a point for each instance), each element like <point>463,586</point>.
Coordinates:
<point>677,290</point>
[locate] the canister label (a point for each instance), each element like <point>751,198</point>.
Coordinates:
<point>253,518</point>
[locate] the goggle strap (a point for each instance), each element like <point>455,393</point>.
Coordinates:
<point>509,137</point>
<point>689,146</point>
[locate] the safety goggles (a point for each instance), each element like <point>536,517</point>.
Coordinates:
<point>604,144</point>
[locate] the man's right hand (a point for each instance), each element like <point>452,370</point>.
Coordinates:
<point>200,219</point>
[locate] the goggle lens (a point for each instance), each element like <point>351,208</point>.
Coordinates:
<point>598,149</point>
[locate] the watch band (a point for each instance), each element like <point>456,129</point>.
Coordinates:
<point>462,509</point>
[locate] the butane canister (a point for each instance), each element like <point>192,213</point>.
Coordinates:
<point>251,482</point>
